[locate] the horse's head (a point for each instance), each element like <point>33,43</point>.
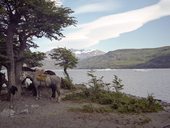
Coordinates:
<point>26,78</point>
<point>27,82</point>
<point>2,76</point>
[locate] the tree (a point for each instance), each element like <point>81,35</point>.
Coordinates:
<point>117,83</point>
<point>21,20</point>
<point>64,58</point>
<point>96,85</point>
<point>32,59</point>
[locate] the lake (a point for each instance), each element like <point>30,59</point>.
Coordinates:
<point>139,82</point>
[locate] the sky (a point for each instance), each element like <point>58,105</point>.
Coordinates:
<point>108,25</point>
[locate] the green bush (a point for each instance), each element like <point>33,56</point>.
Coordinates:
<point>137,105</point>
<point>118,101</point>
<point>117,83</point>
<point>115,100</point>
<point>75,96</point>
<point>95,84</point>
<point>66,83</point>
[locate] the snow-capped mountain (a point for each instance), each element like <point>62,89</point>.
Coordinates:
<point>83,54</point>
<point>48,63</point>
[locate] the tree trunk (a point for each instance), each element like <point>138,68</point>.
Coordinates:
<point>18,71</point>
<point>19,63</point>
<point>68,84</point>
<point>10,55</point>
<point>66,73</point>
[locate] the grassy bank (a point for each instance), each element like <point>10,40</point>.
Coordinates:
<point>98,92</point>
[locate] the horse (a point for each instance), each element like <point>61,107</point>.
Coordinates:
<point>44,79</point>
<point>3,81</point>
<point>28,85</point>
<point>4,84</point>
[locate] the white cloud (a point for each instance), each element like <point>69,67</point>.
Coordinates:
<point>97,7</point>
<point>112,26</point>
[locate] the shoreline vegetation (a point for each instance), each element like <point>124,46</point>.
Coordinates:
<point>111,98</point>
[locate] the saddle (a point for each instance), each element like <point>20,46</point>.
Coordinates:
<point>40,76</point>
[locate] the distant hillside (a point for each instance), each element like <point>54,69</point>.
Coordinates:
<point>48,63</point>
<point>130,58</point>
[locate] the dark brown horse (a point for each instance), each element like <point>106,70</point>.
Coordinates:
<point>3,81</point>
<point>10,89</point>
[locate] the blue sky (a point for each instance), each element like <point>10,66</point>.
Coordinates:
<point>115,24</point>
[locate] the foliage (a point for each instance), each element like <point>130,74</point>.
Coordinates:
<point>67,84</point>
<point>117,101</point>
<point>95,84</point>
<point>35,18</point>
<point>3,57</point>
<point>64,58</point>
<point>32,59</point>
<point>76,96</point>
<point>22,20</point>
<point>138,105</point>
<point>117,83</point>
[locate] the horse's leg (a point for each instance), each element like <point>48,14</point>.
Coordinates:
<point>58,92</point>
<point>0,88</point>
<point>38,92</point>
<point>34,90</point>
<point>53,89</point>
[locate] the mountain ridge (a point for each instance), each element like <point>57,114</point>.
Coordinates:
<point>130,58</point>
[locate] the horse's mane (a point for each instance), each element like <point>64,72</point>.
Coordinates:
<point>49,72</point>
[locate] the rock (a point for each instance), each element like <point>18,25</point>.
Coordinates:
<point>7,113</point>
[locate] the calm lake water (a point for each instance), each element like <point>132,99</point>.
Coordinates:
<point>139,82</point>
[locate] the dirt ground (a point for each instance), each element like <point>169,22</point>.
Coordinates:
<point>44,113</point>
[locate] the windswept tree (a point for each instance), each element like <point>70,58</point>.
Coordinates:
<point>21,20</point>
<point>64,58</point>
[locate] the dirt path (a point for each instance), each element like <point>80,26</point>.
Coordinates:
<point>29,113</point>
